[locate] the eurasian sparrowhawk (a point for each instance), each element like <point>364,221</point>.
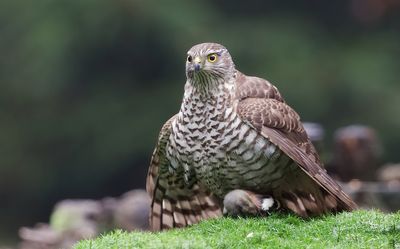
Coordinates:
<point>235,145</point>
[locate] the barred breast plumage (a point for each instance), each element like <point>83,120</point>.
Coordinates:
<point>222,151</point>
<point>234,132</point>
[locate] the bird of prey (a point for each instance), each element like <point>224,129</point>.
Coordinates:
<point>234,147</point>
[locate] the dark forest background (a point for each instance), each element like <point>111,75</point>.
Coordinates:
<point>86,85</point>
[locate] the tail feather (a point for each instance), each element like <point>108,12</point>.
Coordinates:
<point>312,204</point>
<point>180,211</point>
<point>306,198</point>
<point>176,202</point>
<point>301,151</point>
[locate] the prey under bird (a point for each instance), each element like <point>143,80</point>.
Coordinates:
<point>235,147</point>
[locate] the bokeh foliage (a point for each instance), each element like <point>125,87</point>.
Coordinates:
<point>86,85</point>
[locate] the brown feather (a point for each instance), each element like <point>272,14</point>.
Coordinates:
<point>278,122</point>
<point>310,167</point>
<point>219,107</point>
<point>175,203</point>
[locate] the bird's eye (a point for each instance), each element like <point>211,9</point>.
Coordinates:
<point>189,58</point>
<point>212,58</point>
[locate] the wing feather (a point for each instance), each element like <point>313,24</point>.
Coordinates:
<point>265,110</point>
<point>175,202</point>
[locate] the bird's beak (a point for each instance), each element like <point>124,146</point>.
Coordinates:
<point>197,64</point>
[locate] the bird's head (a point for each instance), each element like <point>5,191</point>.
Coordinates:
<point>208,62</point>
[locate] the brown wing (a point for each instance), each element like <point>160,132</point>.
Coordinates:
<point>176,202</point>
<point>277,121</point>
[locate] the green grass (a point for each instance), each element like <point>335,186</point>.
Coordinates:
<point>360,229</point>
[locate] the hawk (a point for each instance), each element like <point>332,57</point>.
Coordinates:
<point>236,147</point>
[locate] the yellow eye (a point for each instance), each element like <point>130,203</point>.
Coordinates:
<point>212,58</point>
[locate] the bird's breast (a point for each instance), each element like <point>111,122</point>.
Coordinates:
<point>199,132</point>
<point>212,143</point>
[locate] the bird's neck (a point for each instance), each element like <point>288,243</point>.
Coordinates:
<point>205,88</point>
<point>206,91</point>
<point>201,103</point>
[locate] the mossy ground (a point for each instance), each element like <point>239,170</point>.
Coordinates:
<point>360,229</point>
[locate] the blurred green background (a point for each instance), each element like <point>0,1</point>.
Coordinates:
<point>86,85</point>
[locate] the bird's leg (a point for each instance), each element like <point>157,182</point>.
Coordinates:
<point>246,203</point>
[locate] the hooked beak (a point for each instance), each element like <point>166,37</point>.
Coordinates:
<point>197,64</point>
